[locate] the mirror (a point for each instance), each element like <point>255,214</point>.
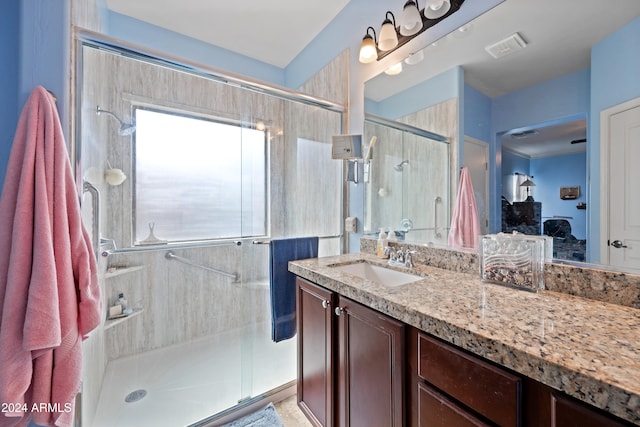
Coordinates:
<point>551,86</point>
<point>406,177</point>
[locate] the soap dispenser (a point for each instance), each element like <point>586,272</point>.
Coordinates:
<point>391,237</point>
<point>381,244</point>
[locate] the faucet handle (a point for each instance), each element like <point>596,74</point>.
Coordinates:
<point>388,251</point>
<point>408,260</point>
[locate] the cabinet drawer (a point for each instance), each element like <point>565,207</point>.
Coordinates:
<point>486,389</point>
<point>567,412</point>
<point>436,410</point>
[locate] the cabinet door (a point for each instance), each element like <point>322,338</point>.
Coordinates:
<point>315,352</point>
<point>566,412</point>
<point>370,367</point>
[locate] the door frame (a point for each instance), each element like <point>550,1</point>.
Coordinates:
<point>605,146</point>
<point>485,147</point>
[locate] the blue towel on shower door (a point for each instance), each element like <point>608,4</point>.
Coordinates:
<point>283,282</point>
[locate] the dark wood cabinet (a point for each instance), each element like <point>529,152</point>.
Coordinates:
<point>315,329</point>
<point>351,361</point>
<point>360,368</point>
<point>568,412</point>
<point>450,387</point>
<point>473,389</point>
<point>371,367</point>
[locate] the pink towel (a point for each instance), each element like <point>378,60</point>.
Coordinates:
<point>49,293</point>
<point>465,227</point>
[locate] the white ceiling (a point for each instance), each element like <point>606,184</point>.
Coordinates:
<point>273,31</point>
<point>553,140</point>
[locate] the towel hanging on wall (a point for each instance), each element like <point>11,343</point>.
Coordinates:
<point>465,226</point>
<point>49,292</point>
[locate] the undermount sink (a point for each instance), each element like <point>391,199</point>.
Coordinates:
<point>376,273</point>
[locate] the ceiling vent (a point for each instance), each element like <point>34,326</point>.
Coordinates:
<point>506,46</point>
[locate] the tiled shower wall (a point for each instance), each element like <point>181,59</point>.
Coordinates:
<point>181,302</point>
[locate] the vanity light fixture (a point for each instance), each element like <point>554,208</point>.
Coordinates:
<point>368,50</point>
<point>413,23</point>
<point>388,36</point>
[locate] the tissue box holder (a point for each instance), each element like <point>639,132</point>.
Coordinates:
<point>513,259</point>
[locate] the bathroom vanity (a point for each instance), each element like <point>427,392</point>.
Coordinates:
<point>447,349</point>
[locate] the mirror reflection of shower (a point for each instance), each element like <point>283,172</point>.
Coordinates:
<point>399,167</point>
<point>126,129</point>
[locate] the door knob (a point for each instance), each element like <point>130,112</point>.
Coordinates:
<point>325,304</point>
<point>618,244</point>
<point>339,311</point>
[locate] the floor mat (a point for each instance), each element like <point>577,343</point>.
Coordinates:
<point>265,417</point>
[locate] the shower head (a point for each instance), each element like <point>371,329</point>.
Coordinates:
<point>126,129</point>
<point>399,167</point>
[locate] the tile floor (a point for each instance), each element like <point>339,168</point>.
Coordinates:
<point>290,414</point>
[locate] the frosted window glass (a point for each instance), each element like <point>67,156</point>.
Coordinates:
<point>198,179</point>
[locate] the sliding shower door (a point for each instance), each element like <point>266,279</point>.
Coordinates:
<point>204,177</point>
<point>406,183</point>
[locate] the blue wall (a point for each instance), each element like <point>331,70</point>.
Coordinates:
<point>512,163</point>
<point>477,114</point>
<point>615,78</point>
<point>440,88</point>
<point>551,173</point>
<point>9,70</point>
<point>563,99</point>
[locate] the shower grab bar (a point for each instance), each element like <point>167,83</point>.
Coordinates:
<point>266,242</point>
<point>87,187</point>
<point>435,216</point>
<point>171,256</point>
<point>164,247</point>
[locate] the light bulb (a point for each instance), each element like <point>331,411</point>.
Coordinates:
<point>410,23</point>
<point>436,8</point>
<point>368,51</point>
<point>394,69</point>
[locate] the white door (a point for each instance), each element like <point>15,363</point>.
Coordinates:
<point>476,158</point>
<point>622,245</point>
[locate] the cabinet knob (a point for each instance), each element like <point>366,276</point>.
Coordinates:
<point>326,304</point>
<point>339,311</point>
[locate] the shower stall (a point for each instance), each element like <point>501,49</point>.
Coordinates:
<point>191,175</point>
<point>406,181</point>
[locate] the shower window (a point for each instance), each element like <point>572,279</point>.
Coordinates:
<point>198,179</point>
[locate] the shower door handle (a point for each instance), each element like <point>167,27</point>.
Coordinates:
<point>326,304</point>
<point>87,187</point>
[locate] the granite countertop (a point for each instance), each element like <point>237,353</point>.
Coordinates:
<point>585,348</point>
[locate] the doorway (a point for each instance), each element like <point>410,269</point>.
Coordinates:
<point>620,202</point>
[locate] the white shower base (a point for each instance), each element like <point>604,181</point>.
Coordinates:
<point>189,382</point>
